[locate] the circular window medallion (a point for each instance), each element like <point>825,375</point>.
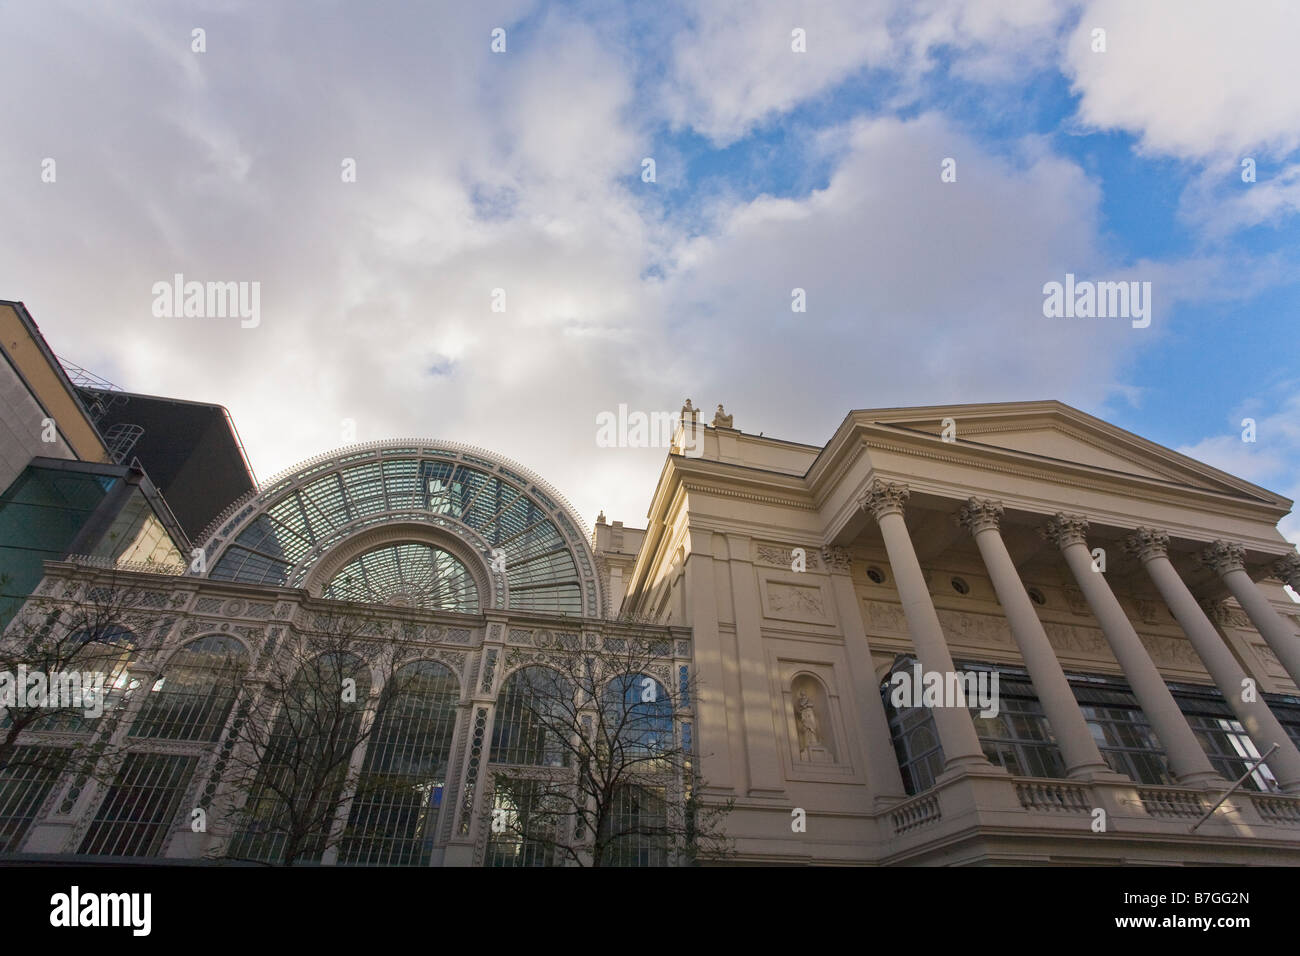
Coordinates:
<point>960,586</point>
<point>876,575</point>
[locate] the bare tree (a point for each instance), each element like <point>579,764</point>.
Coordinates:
<point>298,738</point>
<point>58,647</point>
<point>601,767</point>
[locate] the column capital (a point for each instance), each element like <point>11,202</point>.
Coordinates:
<point>837,559</point>
<point>1224,556</point>
<point>884,497</point>
<point>980,514</point>
<point>1065,529</point>
<point>1287,570</point>
<point>1148,543</point>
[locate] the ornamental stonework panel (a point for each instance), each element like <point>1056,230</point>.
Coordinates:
<point>786,601</point>
<point>974,630</point>
<point>778,556</point>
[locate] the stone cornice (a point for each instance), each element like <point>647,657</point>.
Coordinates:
<point>726,492</point>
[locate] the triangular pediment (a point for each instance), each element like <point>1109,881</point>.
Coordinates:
<point>1052,432</point>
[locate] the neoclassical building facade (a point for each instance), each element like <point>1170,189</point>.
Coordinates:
<point>1121,605</point>
<point>1129,599</point>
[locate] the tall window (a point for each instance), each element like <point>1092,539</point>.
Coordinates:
<point>539,808</point>
<point>638,724</point>
<point>1224,739</point>
<point>108,650</point>
<point>1018,738</point>
<point>303,763</point>
<point>24,783</point>
<point>529,808</point>
<point>640,816</point>
<point>638,719</point>
<point>140,806</point>
<point>532,709</point>
<point>400,791</point>
<point>193,698</point>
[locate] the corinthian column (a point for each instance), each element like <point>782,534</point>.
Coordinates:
<point>884,501</point>
<point>1228,559</point>
<point>1152,548</point>
<point>1287,570</point>
<point>1082,758</point>
<point>1186,758</point>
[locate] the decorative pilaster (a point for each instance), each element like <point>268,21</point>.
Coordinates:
<point>884,781</point>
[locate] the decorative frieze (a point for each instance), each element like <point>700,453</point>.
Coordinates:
<point>781,557</point>
<point>837,559</point>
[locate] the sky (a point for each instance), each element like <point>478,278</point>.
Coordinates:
<point>379,171</point>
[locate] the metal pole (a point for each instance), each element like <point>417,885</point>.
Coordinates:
<point>1240,780</point>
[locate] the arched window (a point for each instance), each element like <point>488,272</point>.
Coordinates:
<point>400,790</point>
<point>534,709</point>
<point>109,650</point>
<point>637,732</point>
<point>301,765</point>
<point>193,698</point>
<point>637,719</point>
<point>536,713</point>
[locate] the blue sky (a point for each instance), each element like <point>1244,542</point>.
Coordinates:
<point>775,169</point>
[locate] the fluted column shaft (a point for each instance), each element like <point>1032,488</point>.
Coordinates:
<point>884,500</point>
<point>1186,758</point>
<point>1082,758</point>
<point>1151,547</point>
<point>1229,560</point>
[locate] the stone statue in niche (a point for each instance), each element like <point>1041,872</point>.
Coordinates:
<point>807,719</point>
<point>811,745</point>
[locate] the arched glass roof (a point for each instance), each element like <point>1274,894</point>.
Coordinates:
<point>508,532</point>
<point>407,575</point>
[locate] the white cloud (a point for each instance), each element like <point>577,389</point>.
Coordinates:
<point>520,172</point>
<point>1195,79</point>
<point>1268,461</point>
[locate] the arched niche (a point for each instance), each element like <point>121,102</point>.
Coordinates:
<point>813,726</point>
